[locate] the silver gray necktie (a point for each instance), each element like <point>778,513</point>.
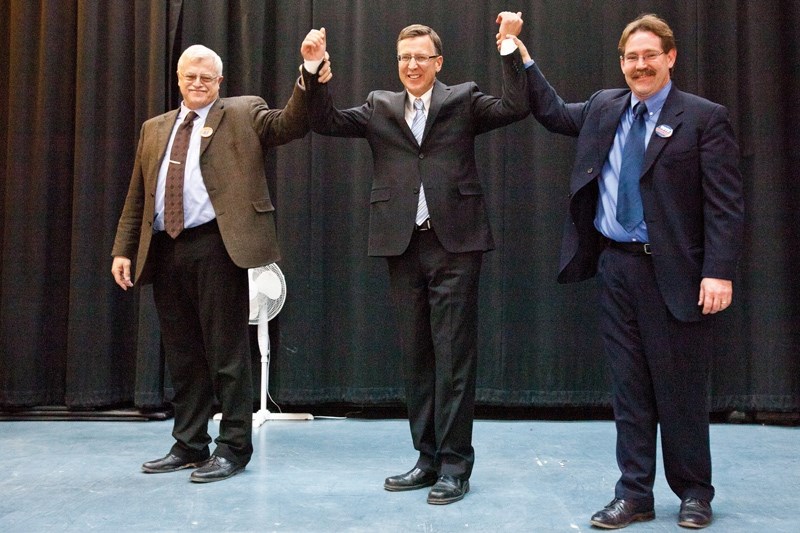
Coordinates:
<point>417,128</point>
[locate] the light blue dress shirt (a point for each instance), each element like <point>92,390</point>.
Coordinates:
<point>606,218</point>
<point>197,208</point>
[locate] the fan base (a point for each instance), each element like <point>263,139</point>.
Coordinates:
<point>263,415</point>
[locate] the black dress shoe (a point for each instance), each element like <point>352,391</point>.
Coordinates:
<point>620,513</point>
<point>216,468</point>
<point>415,478</point>
<point>448,489</point>
<point>695,513</point>
<point>170,463</point>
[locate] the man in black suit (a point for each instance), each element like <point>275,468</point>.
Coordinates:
<point>428,218</point>
<point>665,251</point>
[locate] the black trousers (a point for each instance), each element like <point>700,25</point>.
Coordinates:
<point>660,371</point>
<point>202,301</point>
<point>435,294</point>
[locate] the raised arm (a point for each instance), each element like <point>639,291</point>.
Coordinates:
<point>323,115</point>
<point>494,112</point>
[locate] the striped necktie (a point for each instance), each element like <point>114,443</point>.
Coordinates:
<point>417,128</point>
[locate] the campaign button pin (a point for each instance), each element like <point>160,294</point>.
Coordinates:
<point>664,131</point>
<point>206,132</point>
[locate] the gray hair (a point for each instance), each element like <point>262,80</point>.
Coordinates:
<point>198,51</point>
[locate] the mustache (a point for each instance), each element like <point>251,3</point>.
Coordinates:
<point>643,72</point>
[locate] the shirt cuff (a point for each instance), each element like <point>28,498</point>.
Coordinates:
<point>312,66</point>
<point>507,46</point>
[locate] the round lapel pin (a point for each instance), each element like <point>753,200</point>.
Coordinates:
<point>664,131</point>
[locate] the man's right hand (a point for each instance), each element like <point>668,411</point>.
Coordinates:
<point>314,45</point>
<point>121,270</point>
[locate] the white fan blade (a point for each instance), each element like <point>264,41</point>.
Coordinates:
<point>254,308</point>
<point>270,284</point>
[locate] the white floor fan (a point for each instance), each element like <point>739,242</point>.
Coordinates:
<point>267,295</point>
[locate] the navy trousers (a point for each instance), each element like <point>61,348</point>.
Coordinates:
<point>660,371</point>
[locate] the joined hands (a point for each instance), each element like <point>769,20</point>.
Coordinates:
<point>313,48</point>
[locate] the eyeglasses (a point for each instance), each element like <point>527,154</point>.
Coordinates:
<point>649,57</point>
<point>420,59</point>
<point>204,78</point>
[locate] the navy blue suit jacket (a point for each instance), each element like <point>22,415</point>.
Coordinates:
<point>691,188</point>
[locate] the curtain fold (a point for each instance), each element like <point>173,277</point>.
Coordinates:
<point>77,79</point>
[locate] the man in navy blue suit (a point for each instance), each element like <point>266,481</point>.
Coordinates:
<point>663,233</point>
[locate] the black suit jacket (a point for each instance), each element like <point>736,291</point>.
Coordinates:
<point>444,163</point>
<point>691,188</point>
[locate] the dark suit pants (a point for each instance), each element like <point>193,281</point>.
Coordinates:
<point>660,369</point>
<point>202,301</point>
<point>435,294</point>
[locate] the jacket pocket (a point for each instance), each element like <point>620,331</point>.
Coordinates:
<point>263,206</point>
<point>380,195</point>
<point>470,188</point>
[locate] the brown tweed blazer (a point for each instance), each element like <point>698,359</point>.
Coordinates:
<point>232,164</point>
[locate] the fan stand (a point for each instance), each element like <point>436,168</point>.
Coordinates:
<point>266,285</point>
<point>263,414</point>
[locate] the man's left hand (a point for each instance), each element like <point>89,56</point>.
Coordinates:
<point>715,295</point>
<point>325,72</point>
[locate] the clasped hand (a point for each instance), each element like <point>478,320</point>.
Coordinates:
<point>313,48</point>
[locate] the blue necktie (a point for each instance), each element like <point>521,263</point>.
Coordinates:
<point>417,127</point>
<point>629,199</point>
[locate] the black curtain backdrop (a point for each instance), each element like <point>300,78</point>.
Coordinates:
<point>77,79</point>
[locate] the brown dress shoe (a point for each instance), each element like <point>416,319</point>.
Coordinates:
<point>415,478</point>
<point>695,513</point>
<point>620,513</point>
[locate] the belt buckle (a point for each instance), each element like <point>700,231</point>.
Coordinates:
<point>646,248</point>
<point>425,226</point>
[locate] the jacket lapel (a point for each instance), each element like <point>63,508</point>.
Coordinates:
<point>670,116</point>
<point>439,96</point>
<point>607,124</point>
<point>163,132</point>
<point>398,105</point>
<point>609,121</point>
<point>213,119</point>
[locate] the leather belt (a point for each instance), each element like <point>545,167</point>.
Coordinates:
<point>638,248</point>
<point>425,226</point>
<point>207,227</point>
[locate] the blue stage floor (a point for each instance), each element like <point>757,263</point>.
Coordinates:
<point>326,475</point>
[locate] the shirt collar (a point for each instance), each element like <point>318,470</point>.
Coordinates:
<point>426,99</point>
<point>202,112</point>
<point>655,102</point>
